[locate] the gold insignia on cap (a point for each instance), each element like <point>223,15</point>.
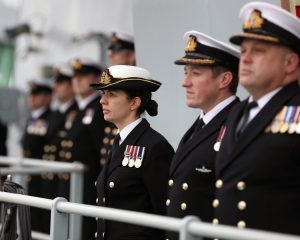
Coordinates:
<point>114,38</point>
<point>191,44</point>
<point>77,64</point>
<point>255,21</point>
<point>105,77</point>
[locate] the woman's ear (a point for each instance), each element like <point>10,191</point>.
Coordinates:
<point>135,103</point>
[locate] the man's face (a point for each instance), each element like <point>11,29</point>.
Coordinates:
<point>36,101</point>
<point>202,89</point>
<point>122,57</point>
<point>81,84</point>
<point>261,68</point>
<point>63,91</point>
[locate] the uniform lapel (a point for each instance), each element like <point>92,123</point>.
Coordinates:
<point>261,121</point>
<point>188,146</point>
<point>131,139</point>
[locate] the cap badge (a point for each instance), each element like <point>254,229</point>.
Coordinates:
<point>114,38</point>
<point>77,64</point>
<point>255,21</point>
<point>192,44</point>
<point>105,77</point>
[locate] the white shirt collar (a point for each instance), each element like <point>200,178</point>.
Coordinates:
<point>261,103</point>
<point>218,108</point>
<point>63,107</point>
<point>82,103</point>
<point>126,130</point>
<point>35,114</point>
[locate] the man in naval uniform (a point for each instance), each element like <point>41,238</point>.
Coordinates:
<point>258,163</point>
<point>34,139</point>
<point>210,82</point>
<point>121,49</point>
<point>84,139</point>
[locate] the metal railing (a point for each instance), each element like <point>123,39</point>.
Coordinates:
<point>25,166</point>
<point>190,228</point>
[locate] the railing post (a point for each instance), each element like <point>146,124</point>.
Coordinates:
<point>184,233</point>
<point>59,222</point>
<point>76,193</point>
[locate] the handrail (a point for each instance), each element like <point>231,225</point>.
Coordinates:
<point>146,219</point>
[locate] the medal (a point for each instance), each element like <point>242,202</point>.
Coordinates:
<point>287,119</point>
<point>295,120</point>
<point>140,157</point>
<point>278,121</point>
<point>138,163</point>
<point>126,155</point>
<point>88,117</point>
<point>217,145</point>
<point>133,157</point>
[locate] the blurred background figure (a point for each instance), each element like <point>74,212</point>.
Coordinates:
<point>3,136</point>
<point>35,137</point>
<point>121,49</point>
<point>84,137</point>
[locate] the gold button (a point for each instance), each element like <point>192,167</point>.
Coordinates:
<point>216,203</point>
<point>102,161</point>
<point>107,130</point>
<point>103,151</point>
<point>46,148</point>
<point>111,142</point>
<point>97,200</point>
<point>68,155</point>
<point>241,224</point>
<point>185,186</point>
<point>63,143</point>
<point>103,199</point>
<point>105,140</point>
<point>215,221</point>
<point>111,184</point>
<point>52,157</point>
<point>70,144</point>
<point>96,234</point>
<point>62,154</point>
<point>219,183</point>
<point>95,183</point>
<point>115,131</point>
<point>241,205</point>
<point>183,206</point>
<point>45,157</point>
<point>241,185</point>
<point>168,202</point>
<point>171,182</point>
<point>53,148</point>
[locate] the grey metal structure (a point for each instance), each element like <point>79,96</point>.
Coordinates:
<point>20,167</point>
<point>195,228</point>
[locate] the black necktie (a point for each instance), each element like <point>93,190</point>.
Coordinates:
<point>115,145</point>
<point>199,125</point>
<point>245,117</point>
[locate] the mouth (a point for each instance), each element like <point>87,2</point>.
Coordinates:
<point>245,72</point>
<point>105,111</point>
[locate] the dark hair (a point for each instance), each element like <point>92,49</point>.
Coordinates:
<point>147,104</point>
<point>217,70</point>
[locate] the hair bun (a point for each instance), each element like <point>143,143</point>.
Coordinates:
<point>152,107</point>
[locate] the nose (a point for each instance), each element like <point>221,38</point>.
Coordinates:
<point>186,82</point>
<point>245,56</point>
<point>103,99</point>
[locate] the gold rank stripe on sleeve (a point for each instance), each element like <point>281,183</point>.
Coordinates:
<point>286,121</point>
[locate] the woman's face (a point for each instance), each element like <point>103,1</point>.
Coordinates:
<point>118,108</point>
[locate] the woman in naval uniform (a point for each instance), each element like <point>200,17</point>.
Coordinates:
<point>135,175</point>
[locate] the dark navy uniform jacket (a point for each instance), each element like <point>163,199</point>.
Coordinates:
<point>258,174</point>
<point>139,189</point>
